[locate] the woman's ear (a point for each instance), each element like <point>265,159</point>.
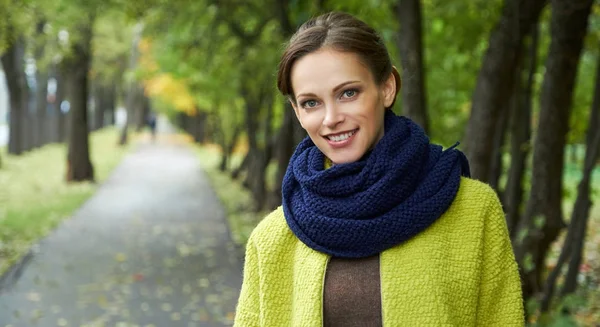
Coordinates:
<point>391,87</point>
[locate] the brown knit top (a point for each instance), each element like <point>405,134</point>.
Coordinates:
<point>352,293</point>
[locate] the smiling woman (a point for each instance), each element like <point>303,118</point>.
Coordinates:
<point>339,103</point>
<point>378,227</point>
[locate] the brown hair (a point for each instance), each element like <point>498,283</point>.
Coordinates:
<point>341,32</point>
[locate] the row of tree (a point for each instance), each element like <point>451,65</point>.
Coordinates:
<point>514,79</point>
<point>516,109</point>
<point>66,67</point>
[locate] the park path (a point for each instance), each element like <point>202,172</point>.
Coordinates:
<point>150,248</point>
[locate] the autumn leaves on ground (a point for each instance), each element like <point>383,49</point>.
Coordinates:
<point>150,247</point>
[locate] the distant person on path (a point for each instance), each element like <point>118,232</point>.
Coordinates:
<point>378,226</point>
<point>152,125</point>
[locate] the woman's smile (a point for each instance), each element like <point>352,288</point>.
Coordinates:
<point>341,140</point>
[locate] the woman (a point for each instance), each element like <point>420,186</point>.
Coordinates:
<point>378,227</point>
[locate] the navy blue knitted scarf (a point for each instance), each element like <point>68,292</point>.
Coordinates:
<point>362,208</point>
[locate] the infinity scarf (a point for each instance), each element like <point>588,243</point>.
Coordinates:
<point>362,208</point>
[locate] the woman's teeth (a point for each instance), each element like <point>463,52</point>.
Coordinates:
<point>341,137</point>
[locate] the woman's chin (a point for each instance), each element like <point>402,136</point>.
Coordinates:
<point>342,158</point>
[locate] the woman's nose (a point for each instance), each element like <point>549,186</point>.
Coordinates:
<point>333,116</point>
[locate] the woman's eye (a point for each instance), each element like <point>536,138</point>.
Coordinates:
<point>349,93</point>
<point>309,104</point>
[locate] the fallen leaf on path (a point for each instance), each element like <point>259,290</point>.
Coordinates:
<point>34,297</point>
<point>120,257</point>
<point>176,316</point>
<point>166,307</point>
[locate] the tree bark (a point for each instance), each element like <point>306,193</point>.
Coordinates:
<point>143,110</point>
<point>285,149</point>
<point>255,179</point>
<point>410,44</point>
<point>132,87</point>
<point>288,131</point>
<point>543,215</point>
<point>520,131</point>
<point>228,148</point>
<point>62,128</point>
<point>100,100</point>
<point>573,246</point>
<point>41,92</point>
<point>111,102</point>
<point>199,122</point>
<point>14,70</point>
<point>495,81</point>
<point>79,165</point>
<point>499,138</point>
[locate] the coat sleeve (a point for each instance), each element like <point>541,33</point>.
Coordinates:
<point>500,296</point>
<point>248,306</point>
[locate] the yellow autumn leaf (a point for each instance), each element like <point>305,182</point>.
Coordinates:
<point>121,257</point>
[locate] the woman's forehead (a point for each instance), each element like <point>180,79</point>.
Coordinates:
<point>326,69</point>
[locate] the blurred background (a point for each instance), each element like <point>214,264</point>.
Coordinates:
<point>84,84</point>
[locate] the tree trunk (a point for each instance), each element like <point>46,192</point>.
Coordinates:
<point>111,102</point>
<point>14,70</point>
<point>62,128</point>
<point>269,143</point>
<point>41,92</point>
<point>285,149</point>
<point>228,147</point>
<point>499,138</point>
<point>28,133</point>
<point>132,87</point>
<point>520,131</point>
<point>100,100</point>
<point>543,215</point>
<point>199,122</point>
<point>288,133</point>
<point>573,246</point>
<point>143,110</point>
<point>255,179</point>
<point>410,44</point>
<point>495,81</point>
<point>79,165</point>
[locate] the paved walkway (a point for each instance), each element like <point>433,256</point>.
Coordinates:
<point>151,248</point>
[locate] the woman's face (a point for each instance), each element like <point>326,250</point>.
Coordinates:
<point>339,104</point>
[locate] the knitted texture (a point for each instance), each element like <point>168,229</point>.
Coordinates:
<point>361,208</point>
<point>460,271</point>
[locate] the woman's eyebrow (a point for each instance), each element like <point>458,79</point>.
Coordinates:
<point>335,89</point>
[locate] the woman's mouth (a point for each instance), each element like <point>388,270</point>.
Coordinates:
<point>341,139</point>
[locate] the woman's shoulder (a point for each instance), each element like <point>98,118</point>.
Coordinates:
<point>476,195</point>
<point>476,205</point>
<point>271,230</point>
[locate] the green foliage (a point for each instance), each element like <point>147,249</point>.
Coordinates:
<point>559,314</point>
<point>111,46</point>
<point>528,264</point>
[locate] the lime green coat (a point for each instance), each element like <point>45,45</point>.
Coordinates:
<point>461,271</point>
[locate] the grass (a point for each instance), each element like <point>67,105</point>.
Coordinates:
<point>236,200</point>
<point>34,197</point>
